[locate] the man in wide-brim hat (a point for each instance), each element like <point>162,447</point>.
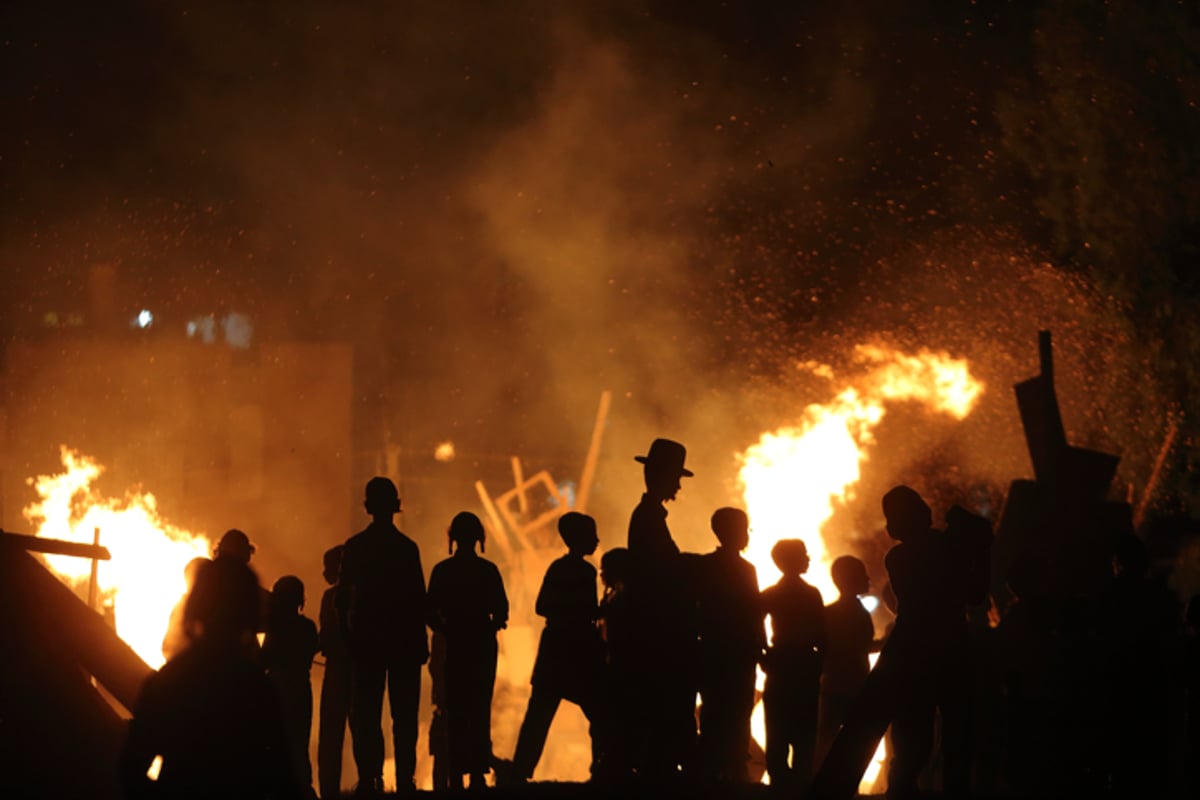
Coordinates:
<point>664,694</point>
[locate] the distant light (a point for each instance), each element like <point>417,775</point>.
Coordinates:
<point>144,319</point>
<point>238,329</point>
<point>444,452</point>
<point>870,603</point>
<point>155,768</point>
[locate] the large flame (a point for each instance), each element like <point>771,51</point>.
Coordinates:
<point>793,477</point>
<point>144,580</point>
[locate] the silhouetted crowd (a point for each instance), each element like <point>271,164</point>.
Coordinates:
<point>227,716</point>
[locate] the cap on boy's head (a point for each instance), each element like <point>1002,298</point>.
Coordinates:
<point>465,529</point>
<point>731,526</point>
<point>576,529</point>
<point>906,512</point>
<point>849,575</point>
<point>288,592</point>
<point>614,564</point>
<point>234,544</point>
<point>381,497</point>
<point>791,556</point>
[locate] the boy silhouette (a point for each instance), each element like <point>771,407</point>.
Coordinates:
<point>336,684</point>
<point>381,604</point>
<point>620,655</point>
<point>731,644</point>
<point>935,576</point>
<point>570,657</point>
<point>467,605</point>
<point>850,638</point>
<point>287,654</point>
<point>792,664</point>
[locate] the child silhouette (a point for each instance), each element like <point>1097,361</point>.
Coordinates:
<point>793,666</point>
<point>467,605</point>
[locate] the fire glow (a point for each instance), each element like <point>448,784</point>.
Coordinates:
<point>144,580</point>
<point>793,477</point>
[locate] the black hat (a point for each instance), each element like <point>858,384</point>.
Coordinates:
<point>666,455</point>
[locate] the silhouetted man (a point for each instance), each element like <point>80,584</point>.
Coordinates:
<point>211,713</point>
<point>381,597</point>
<point>663,611</point>
<point>935,576</point>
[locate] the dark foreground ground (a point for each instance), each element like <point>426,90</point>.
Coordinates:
<point>582,791</point>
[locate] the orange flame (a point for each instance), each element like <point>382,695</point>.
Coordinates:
<point>144,580</point>
<point>793,477</point>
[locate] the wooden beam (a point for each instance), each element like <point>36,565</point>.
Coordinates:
<point>37,544</point>
<point>589,466</point>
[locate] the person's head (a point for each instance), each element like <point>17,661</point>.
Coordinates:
<point>850,576</point>
<point>906,513</point>
<point>192,569</point>
<point>791,556</point>
<point>234,545</point>
<point>288,594</point>
<point>614,567</point>
<point>380,499</point>
<point>578,532</point>
<point>732,528</point>
<point>332,564</point>
<point>465,530</point>
<point>663,468</point>
<point>223,606</point>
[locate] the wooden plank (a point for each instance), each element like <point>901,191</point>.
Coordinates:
<point>38,544</point>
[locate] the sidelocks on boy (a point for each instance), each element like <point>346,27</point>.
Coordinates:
<point>793,666</point>
<point>732,641</point>
<point>570,657</point>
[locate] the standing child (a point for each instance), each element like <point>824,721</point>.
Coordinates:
<point>793,667</point>
<point>731,644</point>
<point>467,605</point>
<point>851,639</point>
<point>287,654</point>
<point>335,686</point>
<point>616,630</point>
<point>570,657</point>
